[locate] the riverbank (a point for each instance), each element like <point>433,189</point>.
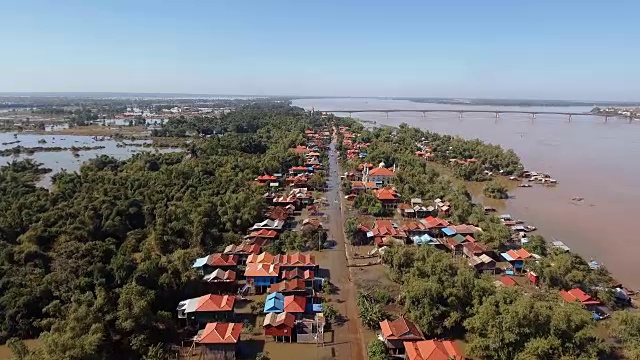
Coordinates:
<point>589,158</point>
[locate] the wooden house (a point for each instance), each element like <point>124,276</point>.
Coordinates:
<point>218,341</point>
<point>394,333</point>
<point>207,308</point>
<point>279,325</point>
<point>261,275</point>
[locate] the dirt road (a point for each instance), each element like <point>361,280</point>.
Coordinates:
<point>349,337</point>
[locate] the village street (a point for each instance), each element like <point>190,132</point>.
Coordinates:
<point>348,337</point>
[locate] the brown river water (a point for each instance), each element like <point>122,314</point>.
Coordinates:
<point>597,161</point>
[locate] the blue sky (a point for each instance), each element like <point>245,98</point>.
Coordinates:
<point>543,49</point>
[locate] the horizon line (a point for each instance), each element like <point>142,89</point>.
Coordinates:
<point>293,97</point>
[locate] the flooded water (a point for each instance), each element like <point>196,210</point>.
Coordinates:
<point>59,160</point>
<point>590,159</point>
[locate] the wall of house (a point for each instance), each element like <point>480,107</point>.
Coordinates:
<point>204,317</point>
<point>219,352</point>
<point>278,331</point>
<point>264,280</point>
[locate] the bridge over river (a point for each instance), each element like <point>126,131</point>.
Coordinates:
<point>460,112</point>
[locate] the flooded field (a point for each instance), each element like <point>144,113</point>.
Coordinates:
<point>59,160</point>
<point>590,159</point>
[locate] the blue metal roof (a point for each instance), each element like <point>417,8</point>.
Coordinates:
<point>274,303</point>
<point>200,262</point>
<point>507,256</point>
<point>313,308</point>
<point>448,231</point>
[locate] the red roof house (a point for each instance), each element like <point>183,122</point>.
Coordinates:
<point>381,172</point>
<point>383,230</point>
<point>578,295</point>
<point>288,286</point>
<point>266,178</point>
<point>279,324</point>
<point>395,333</point>
<point>222,260</point>
<point>436,222</point>
<point>295,304</point>
<point>262,258</point>
<point>220,333</point>
<point>261,270</point>
<point>298,273</point>
<point>264,233</point>
<point>433,350</point>
<point>218,340</point>
<point>507,281</point>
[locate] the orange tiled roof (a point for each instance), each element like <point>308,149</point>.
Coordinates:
<point>433,350</point>
<point>222,260</point>
<point>213,302</point>
<point>263,258</point>
<point>386,194</point>
<point>520,254</point>
<point>381,172</point>
<point>257,269</point>
<point>220,333</point>
<point>400,329</point>
<point>295,304</point>
<point>297,273</point>
<point>288,285</point>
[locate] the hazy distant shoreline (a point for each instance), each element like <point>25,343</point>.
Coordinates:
<point>431,100</point>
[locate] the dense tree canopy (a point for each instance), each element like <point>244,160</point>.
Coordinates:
<point>98,264</point>
<point>512,325</point>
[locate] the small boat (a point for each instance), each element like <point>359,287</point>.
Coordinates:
<point>524,185</point>
<point>577,198</point>
<point>530,228</point>
<point>514,178</point>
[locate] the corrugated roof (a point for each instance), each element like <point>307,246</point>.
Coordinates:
<point>400,329</point>
<point>433,350</point>
<point>220,333</point>
<point>277,319</point>
<point>274,303</point>
<point>381,171</point>
<point>255,269</point>
<point>219,275</point>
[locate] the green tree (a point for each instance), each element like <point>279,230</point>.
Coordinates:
<point>625,327</point>
<point>376,350</point>
<point>18,349</point>
<point>511,325</point>
<point>495,191</point>
<point>536,245</point>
